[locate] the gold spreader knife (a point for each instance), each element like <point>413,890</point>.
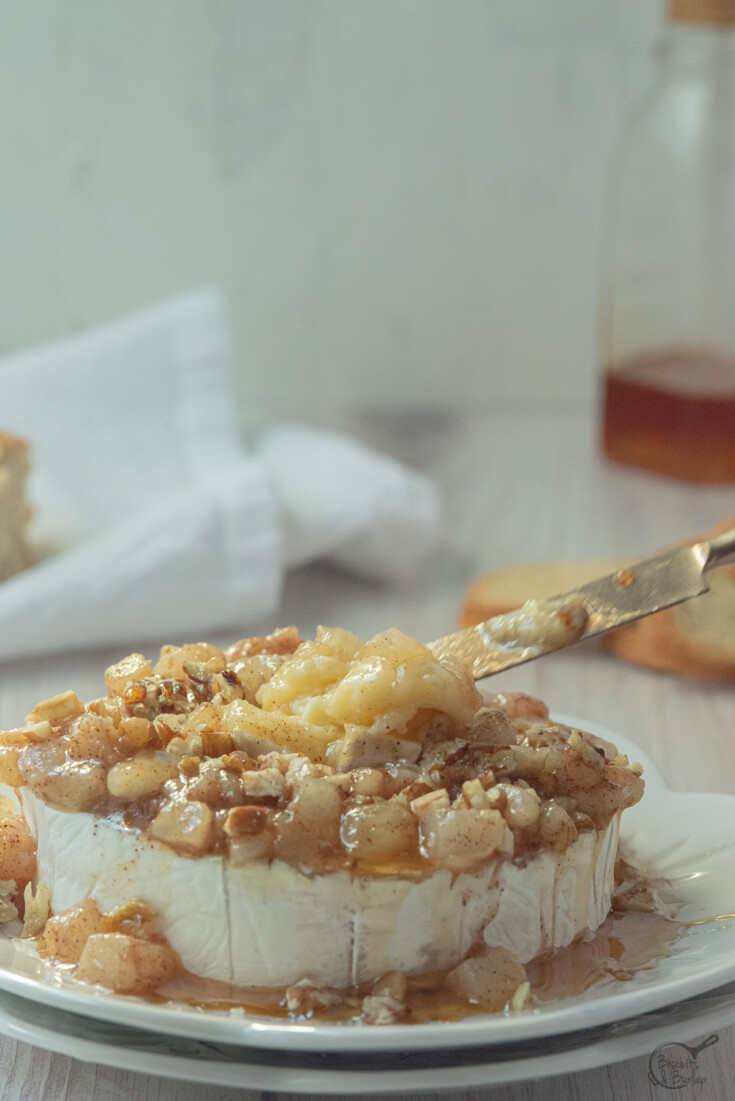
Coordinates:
<point>542,626</point>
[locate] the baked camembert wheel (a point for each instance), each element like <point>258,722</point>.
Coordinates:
<point>315,816</point>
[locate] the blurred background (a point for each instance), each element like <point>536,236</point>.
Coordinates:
<point>401,197</point>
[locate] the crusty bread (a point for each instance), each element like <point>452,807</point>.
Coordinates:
<point>695,639</point>
<point>14,511</point>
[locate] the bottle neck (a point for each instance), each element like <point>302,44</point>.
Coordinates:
<point>707,47</point>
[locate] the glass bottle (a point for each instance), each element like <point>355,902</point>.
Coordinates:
<point>667,310</point>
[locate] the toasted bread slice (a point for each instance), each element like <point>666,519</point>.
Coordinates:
<point>695,639</point>
<point>14,511</point>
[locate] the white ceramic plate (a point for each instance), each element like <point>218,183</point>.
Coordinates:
<point>689,838</point>
<point>370,1073</point>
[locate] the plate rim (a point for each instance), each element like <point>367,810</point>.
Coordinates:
<point>602,1050</point>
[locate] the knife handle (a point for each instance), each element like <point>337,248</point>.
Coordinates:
<point>721,550</point>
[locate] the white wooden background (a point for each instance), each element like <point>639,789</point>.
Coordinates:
<point>516,487</point>
<point>401,197</point>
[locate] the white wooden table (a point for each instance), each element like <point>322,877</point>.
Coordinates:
<point>518,486</point>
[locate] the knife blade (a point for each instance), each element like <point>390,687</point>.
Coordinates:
<point>544,626</point>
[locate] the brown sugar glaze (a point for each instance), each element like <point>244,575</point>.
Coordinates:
<point>628,941</point>
<point>673,413</point>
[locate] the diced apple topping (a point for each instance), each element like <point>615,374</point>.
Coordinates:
<point>343,752</point>
<point>491,979</point>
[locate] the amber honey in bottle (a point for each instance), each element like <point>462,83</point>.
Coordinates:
<point>667,310</point>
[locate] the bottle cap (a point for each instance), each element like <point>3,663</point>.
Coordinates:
<point>721,12</point>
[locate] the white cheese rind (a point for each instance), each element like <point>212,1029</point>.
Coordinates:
<point>270,924</point>
<point>556,896</point>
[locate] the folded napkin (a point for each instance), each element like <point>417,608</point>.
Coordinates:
<point>151,516</point>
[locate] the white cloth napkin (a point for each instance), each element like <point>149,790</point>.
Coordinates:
<point>151,516</point>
